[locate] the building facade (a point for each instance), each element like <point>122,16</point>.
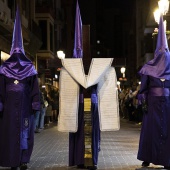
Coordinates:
<point>48,26</point>
<point>42,25</point>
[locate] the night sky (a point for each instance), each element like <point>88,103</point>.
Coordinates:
<point>107,20</point>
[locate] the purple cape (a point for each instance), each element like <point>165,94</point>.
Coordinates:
<point>18,67</point>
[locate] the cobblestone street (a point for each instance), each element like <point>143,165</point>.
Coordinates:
<point>118,149</point>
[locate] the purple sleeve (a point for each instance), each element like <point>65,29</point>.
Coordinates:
<point>142,96</point>
<point>35,93</point>
<point>144,84</point>
<point>2,90</point>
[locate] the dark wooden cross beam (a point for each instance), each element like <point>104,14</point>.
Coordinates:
<point>86,48</point>
<point>88,161</point>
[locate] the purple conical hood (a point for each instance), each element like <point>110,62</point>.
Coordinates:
<point>159,67</point>
<point>78,48</point>
<point>18,66</point>
<point>161,39</point>
<point>17,41</point>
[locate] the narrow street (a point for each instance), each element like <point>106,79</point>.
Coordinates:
<point>118,150</point>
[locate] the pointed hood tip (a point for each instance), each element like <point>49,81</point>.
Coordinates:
<point>161,40</point>
<point>158,67</point>
<point>17,40</point>
<point>18,66</point>
<point>78,46</point>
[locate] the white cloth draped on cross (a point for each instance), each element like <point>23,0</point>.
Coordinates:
<point>101,73</point>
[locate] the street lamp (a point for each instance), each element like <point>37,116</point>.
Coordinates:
<point>157,14</point>
<point>56,76</point>
<point>163,9</point>
<point>123,79</point>
<point>163,6</point>
<point>60,54</point>
<point>122,70</point>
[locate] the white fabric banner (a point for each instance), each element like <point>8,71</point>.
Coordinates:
<point>98,67</point>
<point>108,101</point>
<point>75,68</point>
<point>100,73</point>
<point>69,103</point>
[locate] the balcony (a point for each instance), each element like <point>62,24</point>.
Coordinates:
<point>5,11</point>
<point>45,9</point>
<point>36,30</point>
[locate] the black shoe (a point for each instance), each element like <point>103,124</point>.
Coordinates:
<point>94,167</point>
<point>145,164</point>
<point>37,131</point>
<point>166,167</point>
<point>23,166</point>
<point>15,168</point>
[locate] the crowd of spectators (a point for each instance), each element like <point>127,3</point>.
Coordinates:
<point>49,108</point>
<point>128,104</point>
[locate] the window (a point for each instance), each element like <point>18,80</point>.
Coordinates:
<point>43,26</point>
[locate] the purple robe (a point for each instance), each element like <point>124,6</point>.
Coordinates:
<point>95,125</point>
<point>154,145</point>
<point>76,140</point>
<point>18,100</point>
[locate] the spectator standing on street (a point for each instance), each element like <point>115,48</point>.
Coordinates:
<point>54,94</point>
<point>48,114</point>
<point>130,103</point>
<point>125,110</point>
<point>44,107</point>
<point>121,101</point>
<point>40,114</point>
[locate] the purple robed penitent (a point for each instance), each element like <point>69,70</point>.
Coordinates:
<point>159,67</point>
<point>76,140</point>
<point>155,86</point>
<point>19,96</point>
